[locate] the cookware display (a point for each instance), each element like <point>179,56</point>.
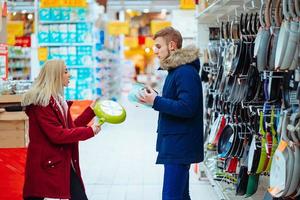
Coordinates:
<point>254,118</point>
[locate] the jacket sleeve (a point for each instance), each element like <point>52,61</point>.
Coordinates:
<point>84,118</point>
<point>54,130</point>
<point>188,90</point>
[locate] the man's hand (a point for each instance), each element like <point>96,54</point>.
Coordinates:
<point>147,96</point>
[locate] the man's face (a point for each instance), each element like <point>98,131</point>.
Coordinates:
<point>161,48</point>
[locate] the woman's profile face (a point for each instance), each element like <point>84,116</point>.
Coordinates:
<point>66,77</point>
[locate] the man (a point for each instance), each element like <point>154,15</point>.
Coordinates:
<point>180,123</point>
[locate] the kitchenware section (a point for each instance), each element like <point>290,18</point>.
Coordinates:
<point>252,75</point>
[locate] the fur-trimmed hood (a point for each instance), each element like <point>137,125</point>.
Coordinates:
<point>180,57</point>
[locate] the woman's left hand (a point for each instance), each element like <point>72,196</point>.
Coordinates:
<point>94,103</point>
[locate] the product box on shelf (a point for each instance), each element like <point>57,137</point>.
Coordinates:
<point>64,53</point>
<point>54,33</point>
<point>54,53</point>
<point>72,33</point>
<point>55,14</point>
<point>63,33</point>
<point>44,14</point>
<point>72,56</point>
<point>65,14</point>
<point>84,32</point>
<point>43,34</point>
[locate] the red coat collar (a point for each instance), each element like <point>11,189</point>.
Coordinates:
<point>56,109</point>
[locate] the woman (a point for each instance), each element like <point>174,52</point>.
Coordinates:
<point>52,166</point>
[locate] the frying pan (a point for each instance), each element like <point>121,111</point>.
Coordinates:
<point>252,185</point>
<point>263,153</point>
<point>297,7</point>
<point>292,44</point>
<point>109,111</point>
<point>295,61</point>
<point>242,181</point>
<point>282,38</point>
<point>254,150</point>
<point>296,152</point>
<point>226,141</point>
<point>274,140</point>
<point>282,164</point>
<point>214,129</point>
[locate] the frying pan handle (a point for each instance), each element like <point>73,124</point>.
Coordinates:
<point>277,13</point>
<point>261,11</point>
<point>291,5</point>
<point>285,9</point>
<point>101,121</point>
<point>268,14</point>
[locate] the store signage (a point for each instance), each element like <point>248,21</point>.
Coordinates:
<point>187,4</point>
<point>149,42</point>
<point>43,53</point>
<point>63,3</point>
<point>24,41</point>
<point>158,25</point>
<point>118,28</point>
<point>14,29</point>
<point>131,42</point>
<point>3,61</point>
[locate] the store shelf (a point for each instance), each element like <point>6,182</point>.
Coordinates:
<point>10,99</point>
<point>64,44</point>
<point>65,22</point>
<point>79,66</point>
<point>221,9</point>
<point>18,57</point>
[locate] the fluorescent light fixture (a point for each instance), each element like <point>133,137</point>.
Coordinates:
<point>146,10</point>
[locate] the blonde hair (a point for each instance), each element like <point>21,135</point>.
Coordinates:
<point>48,83</point>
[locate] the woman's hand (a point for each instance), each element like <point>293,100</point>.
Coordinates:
<point>94,103</point>
<point>96,128</point>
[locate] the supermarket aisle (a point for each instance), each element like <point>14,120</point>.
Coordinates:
<point>119,164</point>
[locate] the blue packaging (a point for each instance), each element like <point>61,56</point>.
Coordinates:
<point>72,56</point>
<point>54,33</point>
<point>55,14</point>
<point>64,53</point>
<point>81,13</point>
<point>43,34</point>
<point>63,33</point>
<point>54,53</point>
<point>72,36</point>
<point>65,14</point>
<point>44,14</point>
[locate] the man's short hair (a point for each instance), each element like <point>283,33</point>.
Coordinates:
<point>170,34</point>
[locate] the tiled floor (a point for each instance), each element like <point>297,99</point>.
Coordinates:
<point>119,163</point>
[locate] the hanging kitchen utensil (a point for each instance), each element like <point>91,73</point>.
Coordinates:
<point>283,37</point>
<point>252,185</point>
<point>282,164</point>
<point>263,50</point>
<point>110,112</point>
<point>274,139</point>
<point>263,153</point>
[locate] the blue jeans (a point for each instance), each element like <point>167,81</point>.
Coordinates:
<point>176,182</point>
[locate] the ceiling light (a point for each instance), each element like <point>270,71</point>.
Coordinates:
<point>146,10</point>
<point>30,16</point>
<point>164,11</point>
<point>24,11</point>
<point>147,50</point>
<point>128,10</point>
